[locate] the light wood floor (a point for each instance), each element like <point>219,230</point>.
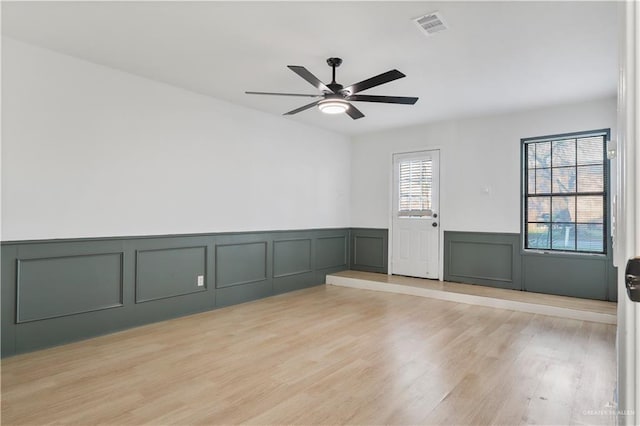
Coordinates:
<point>325,355</point>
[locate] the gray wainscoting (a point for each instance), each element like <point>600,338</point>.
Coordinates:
<point>293,262</point>
<point>483,258</point>
<point>58,291</point>
<point>369,250</point>
<point>566,275</point>
<point>169,272</point>
<point>241,263</point>
<point>91,282</point>
<point>496,260</point>
<point>332,251</point>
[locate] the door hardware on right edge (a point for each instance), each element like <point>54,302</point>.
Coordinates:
<point>632,279</point>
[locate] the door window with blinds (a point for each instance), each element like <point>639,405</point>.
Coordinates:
<point>565,189</point>
<point>415,182</point>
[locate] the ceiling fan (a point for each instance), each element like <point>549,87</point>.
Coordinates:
<point>336,98</point>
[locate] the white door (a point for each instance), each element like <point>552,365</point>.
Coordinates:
<point>415,223</point>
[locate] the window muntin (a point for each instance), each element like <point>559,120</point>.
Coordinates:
<point>565,193</point>
<point>415,187</point>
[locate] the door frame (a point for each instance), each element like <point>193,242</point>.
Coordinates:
<point>441,209</point>
<point>627,233</point>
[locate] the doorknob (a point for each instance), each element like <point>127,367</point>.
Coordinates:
<point>632,279</point>
<point>434,224</point>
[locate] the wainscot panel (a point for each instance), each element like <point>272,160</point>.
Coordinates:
<point>369,250</point>
<point>95,286</point>
<point>50,287</point>
<point>291,257</point>
<point>66,278</point>
<point>331,252</point>
<point>293,261</point>
<point>566,275</point>
<point>241,263</point>
<point>490,259</point>
<point>169,272</point>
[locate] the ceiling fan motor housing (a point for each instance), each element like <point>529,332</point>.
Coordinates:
<point>336,88</point>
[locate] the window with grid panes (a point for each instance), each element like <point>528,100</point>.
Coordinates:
<point>565,192</point>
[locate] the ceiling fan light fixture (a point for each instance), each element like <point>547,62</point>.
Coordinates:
<point>333,106</point>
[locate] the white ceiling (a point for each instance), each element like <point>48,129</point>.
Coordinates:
<point>495,56</point>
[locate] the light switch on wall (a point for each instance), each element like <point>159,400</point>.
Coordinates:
<point>200,280</point>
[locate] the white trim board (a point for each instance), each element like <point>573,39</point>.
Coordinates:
<point>471,299</point>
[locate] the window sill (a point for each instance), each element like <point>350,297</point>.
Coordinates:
<point>565,254</point>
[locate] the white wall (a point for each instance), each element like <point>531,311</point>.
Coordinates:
<point>476,154</point>
<point>90,151</point>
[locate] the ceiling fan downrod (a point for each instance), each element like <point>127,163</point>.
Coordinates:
<point>334,63</point>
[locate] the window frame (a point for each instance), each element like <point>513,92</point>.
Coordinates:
<point>524,194</point>
<point>414,213</point>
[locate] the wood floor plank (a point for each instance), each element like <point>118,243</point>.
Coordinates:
<point>324,355</point>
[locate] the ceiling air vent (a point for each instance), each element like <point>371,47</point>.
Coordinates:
<point>431,23</point>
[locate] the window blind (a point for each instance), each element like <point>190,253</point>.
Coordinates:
<point>416,178</point>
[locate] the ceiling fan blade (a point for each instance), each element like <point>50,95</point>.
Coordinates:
<point>354,112</point>
<point>306,74</point>
<point>384,99</point>
<point>302,108</point>
<point>283,94</point>
<point>383,78</point>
